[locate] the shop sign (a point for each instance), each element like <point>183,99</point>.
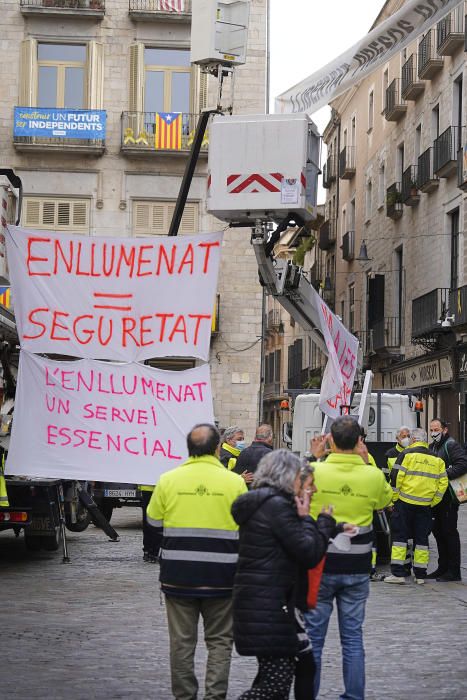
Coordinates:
<point>434,371</point>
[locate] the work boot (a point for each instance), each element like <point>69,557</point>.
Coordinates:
<point>436,574</point>
<point>448,577</point>
<point>395,579</point>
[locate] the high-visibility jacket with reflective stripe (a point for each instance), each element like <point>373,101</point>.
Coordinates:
<point>4,503</point>
<point>228,455</point>
<point>418,476</point>
<point>200,538</point>
<point>355,490</point>
<point>393,454</point>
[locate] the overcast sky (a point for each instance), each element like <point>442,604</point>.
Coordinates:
<point>307,34</point>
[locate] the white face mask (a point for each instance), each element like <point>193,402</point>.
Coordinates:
<point>404,442</point>
<point>436,436</point>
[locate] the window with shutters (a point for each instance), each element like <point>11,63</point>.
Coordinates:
<point>68,76</point>
<point>153,218</point>
<point>56,214</point>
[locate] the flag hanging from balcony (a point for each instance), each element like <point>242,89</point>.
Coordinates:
<point>5,297</point>
<point>168,134</point>
<point>171,5</point>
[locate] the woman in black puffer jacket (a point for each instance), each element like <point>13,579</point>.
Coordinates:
<point>279,541</point>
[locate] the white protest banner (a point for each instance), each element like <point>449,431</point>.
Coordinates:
<point>122,299</point>
<point>400,29</point>
<point>339,374</point>
<point>104,421</point>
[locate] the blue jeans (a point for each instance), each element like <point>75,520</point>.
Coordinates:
<point>351,592</point>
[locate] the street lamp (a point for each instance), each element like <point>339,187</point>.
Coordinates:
<point>363,253</point>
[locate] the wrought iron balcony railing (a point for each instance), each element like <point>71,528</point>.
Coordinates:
<point>365,339</point>
<point>347,163</point>
<point>450,32</point>
<point>445,150</point>
<point>410,193</point>
<point>387,334</point>
<point>327,234</point>
<point>429,310</point>
<point>348,246</point>
<point>427,181</point>
<point>176,10</point>
<point>140,133</point>
<point>273,319</point>
<point>81,8</point>
<point>329,171</point>
<point>429,62</point>
<point>396,106</point>
<point>394,207</point>
<point>411,87</point>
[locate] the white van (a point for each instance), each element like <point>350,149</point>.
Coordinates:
<point>388,412</point>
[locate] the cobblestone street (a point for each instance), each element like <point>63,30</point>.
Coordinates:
<point>95,628</point>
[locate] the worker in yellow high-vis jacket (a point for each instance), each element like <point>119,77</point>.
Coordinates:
<point>419,480</point>
<point>233,442</point>
<point>4,503</point>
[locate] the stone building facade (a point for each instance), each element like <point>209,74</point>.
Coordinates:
<point>392,183</point>
<point>130,58</point>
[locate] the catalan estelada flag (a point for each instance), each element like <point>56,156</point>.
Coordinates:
<point>5,297</point>
<point>168,134</point>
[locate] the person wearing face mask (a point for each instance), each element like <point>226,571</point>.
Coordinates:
<point>233,442</point>
<point>403,441</point>
<point>419,480</point>
<point>445,514</point>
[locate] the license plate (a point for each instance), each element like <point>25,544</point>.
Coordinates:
<point>116,493</point>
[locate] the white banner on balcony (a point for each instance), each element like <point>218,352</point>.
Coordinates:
<point>339,374</point>
<point>413,19</point>
<point>104,421</point>
<point>121,299</point>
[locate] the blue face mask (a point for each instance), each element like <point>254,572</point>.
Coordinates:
<point>240,445</point>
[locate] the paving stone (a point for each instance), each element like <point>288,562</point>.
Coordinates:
<point>95,629</point>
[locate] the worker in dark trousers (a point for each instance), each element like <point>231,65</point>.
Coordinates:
<point>419,481</point>
<point>152,538</point>
<point>445,514</point>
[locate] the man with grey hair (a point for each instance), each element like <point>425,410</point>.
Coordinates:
<point>419,480</point>
<point>233,442</point>
<point>250,457</point>
<point>402,443</point>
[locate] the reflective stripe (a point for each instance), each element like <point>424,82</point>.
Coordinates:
<point>438,494</point>
<point>154,523</point>
<point>364,529</point>
<point>395,490</point>
<point>3,499</point>
<point>421,499</point>
<point>428,474</point>
<point>200,532</point>
<point>398,561</point>
<point>400,544</point>
<point>421,546</point>
<point>215,557</point>
<point>354,549</point>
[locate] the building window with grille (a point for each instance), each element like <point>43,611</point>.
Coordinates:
<point>67,76</point>
<point>152,218</point>
<point>51,214</point>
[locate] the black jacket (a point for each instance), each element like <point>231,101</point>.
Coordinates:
<point>276,548</point>
<point>249,458</point>
<point>453,454</point>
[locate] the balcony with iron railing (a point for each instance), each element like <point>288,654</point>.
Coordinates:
<point>93,9</point>
<point>299,380</point>
<point>365,338</point>
<point>429,310</point>
<point>445,149</point>
<point>273,320</point>
<point>167,10</point>
<point>387,334</point>
<point>55,130</point>
<point>347,163</point>
<point>411,87</point>
<point>396,106</point>
<point>327,234</point>
<point>140,136</point>
<point>394,208</point>
<point>348,246</point>
<point>450,32</point>
<point>427,180</point>
<point>429,62</point>
<point>329,171</point>
<point>410,193</point>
